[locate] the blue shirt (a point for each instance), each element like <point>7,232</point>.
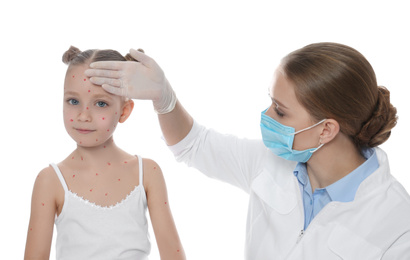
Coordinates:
<point>344,190</point>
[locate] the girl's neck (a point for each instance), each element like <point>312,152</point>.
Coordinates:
<point>105,153</point>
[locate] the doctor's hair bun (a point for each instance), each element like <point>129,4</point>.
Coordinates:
<point>378,128</point>
<point>70,54</point>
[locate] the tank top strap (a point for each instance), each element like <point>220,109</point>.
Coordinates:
<point>141,172</point>
<point>60,176</point>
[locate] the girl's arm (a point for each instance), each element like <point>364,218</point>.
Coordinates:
<point>169,244</point>
<point>43,211</point>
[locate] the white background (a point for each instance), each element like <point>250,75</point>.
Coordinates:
<point>218,55</point>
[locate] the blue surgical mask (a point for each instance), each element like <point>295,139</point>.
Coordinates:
<point>279,139</point>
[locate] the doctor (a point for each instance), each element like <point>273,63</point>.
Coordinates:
<point>319,186</point>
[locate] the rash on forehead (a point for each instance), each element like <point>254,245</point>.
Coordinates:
<point>77,81</point>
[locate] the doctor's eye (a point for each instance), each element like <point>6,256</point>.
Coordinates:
<point>280,114</point>
<point>73,101</point>
<point>101,104</point>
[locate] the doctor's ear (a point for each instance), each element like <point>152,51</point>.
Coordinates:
<point>330,130</point>
<point>127,108</point>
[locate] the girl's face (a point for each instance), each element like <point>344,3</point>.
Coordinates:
<point>287,110</point>
<point>90,113</point>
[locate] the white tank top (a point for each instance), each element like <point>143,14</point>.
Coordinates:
<point>88,231</point>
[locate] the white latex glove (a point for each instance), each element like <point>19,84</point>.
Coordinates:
<point>137,80</point>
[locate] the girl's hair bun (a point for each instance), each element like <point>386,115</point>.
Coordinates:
<point>128,57</point>
<point>70,54</point>
<point>378,128</point>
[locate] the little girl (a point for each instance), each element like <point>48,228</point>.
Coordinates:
<point>97,197</point>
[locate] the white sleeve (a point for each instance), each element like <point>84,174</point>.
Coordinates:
<point>224,157</point>
<point>400,249</point>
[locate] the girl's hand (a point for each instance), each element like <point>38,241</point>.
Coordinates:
<point>137,80</point>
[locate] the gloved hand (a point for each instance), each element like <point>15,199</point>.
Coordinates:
<point>137,80</point>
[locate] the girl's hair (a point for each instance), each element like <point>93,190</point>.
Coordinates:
<point>73,56</point>
<point>336,81</point>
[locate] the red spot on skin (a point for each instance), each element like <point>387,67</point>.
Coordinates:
<point>155,168</point>
<point>103,118</point>
<point>119,179</point>
<point>96,174</point>
<point>87,108</point>
<point>109,164</point>
<point>165,202</point>
<point>108,130</point>
<point>125,162</point>
<point>74,176</point>
<point>73,76</point>
<point>91,190</point>
<point>42,204</point>
<point>81,142</point>
<point>31,229</point>
<point>106,194</point>
<point>85,79</point>
<point>89,91</point>
<point>96,140</point>
<point>178,250</point>
<point>71,120</point>
<point>116,113</point>
<point>82,158</point>
<point>72,158</point>
<point>105,146</point>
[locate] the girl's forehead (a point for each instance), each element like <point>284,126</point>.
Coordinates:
<point>77,81</point>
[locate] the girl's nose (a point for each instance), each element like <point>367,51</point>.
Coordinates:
<point>84,115</point>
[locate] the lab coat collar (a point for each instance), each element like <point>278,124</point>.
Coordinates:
<point>378,179</point>
<point>345,189</point>
<point>278,187</point>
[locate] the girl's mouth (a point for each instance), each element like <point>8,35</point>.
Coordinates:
<point>84,131</point>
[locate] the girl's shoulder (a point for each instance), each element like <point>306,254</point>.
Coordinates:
<point>47,177</point>
<point>152,173</point>
<point>47,185</point>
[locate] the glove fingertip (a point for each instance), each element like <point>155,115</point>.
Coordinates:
<point>108,88</point>
<point>113,90</point>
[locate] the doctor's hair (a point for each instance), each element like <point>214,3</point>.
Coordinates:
<point>73,56</point>
<point>335,81</point>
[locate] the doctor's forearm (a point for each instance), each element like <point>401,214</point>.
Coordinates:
<point>176,124</point>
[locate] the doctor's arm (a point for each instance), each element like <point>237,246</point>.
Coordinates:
<point>400,250</point>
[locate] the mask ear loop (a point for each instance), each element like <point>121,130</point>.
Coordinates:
<point>320,140</point>
<point>310,127</point>
<point>320,146</point>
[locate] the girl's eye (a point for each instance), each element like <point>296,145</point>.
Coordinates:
<point>101,104</point>
<point>280,114</point>
<point>73,101</point>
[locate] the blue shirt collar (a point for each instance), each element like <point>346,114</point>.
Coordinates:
<point>344,190</point>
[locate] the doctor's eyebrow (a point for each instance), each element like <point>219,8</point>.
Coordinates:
<point>279,103</point>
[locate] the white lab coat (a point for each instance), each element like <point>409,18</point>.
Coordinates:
<point>376,225</point>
